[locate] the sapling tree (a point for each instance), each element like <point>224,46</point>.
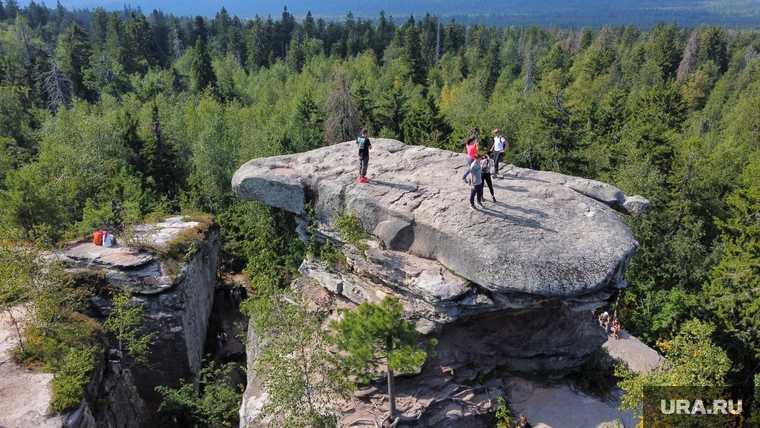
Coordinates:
<point>125,321</point>
<point>293,363</point>
<point>14,268</point>
<point>374,336</point>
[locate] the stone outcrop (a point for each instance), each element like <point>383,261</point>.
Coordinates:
<point>170,267</point>
<point>504,288</point>
<point>549,235</point>
<point>112,400</point>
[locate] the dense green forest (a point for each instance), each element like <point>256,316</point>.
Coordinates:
<point>156,112</point>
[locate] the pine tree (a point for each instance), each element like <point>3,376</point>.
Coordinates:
<point>412,55</point>
<point>375,334</point>
<point>201,68</point>
<point>73,54</point>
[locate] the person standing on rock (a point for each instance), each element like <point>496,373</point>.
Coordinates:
<point>500,145</point>
<point>485,169</point>
<point>364,147</point>
<point>472,148</point>
<point>476,182</point>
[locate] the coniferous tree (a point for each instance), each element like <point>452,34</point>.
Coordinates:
<point>384,34</point>
<point>412,56</point>
<point>378,334</point>
<point>12,9</point>
<point>492,66</point>
<point>664,50</point>
<point>138,49</point>
<point>257,45</point>
<point>73,56</point>
<point>162,36</point>
<point>98,26</point>
<point>201,68</point>
<point>714,47</point>
<point>113,47</point>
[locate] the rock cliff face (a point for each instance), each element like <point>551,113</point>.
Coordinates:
<point>177,296</point>
<point>506,286</point>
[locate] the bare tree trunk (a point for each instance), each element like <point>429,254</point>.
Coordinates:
<point>438,47</point>
<point>14,321</point>
<point>391,395</point>
<point>391,392</point>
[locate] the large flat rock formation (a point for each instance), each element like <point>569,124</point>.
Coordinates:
<point>549,235</point>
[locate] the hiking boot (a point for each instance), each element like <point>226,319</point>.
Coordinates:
<point>365,180</point>
<point>472,207</point>
<point>480,204</point>
<point>494,198</point>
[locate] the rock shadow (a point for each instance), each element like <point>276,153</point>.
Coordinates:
<point>515,219</point>
<point>404,187</point>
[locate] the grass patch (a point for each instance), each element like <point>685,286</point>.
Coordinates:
<point>187,242</point>
<point>69,350</point>
<point>350,226</point>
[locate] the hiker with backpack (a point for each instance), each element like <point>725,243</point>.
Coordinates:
<point>364,147</point>
<point>500,145</point>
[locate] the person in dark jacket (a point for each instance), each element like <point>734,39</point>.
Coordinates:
<point>364,147</point>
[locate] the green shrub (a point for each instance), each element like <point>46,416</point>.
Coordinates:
<point>72,378</point>
<point>504,418</point>
<point>350,226</point>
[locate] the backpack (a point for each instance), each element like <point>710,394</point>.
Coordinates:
<point>97,238</point>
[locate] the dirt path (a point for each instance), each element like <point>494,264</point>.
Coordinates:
<point>24,394</point>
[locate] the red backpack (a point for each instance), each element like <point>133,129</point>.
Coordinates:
<point>97,238</point>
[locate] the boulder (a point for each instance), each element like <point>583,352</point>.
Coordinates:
<point>549,235</point>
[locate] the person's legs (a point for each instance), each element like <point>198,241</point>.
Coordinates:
<point>496,158</point>
<point>473,192</point>
<point>467,171</point>
<point>487,180</point>
<point>363,163</point>
<point>479,190</point>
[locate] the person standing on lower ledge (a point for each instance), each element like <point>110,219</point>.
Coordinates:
<point>364,147</point>
<point>523,422</point>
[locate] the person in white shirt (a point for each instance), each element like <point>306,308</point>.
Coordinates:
<point>500,145</point>
<point>107,239</point>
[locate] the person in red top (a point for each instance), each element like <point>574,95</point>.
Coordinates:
<point>472,150</point>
